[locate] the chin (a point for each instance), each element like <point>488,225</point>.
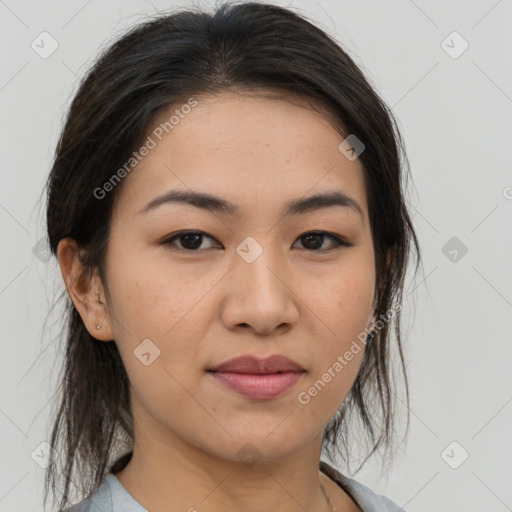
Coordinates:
<point>255,445</point>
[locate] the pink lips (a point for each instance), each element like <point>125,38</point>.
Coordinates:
<point>257,378</point>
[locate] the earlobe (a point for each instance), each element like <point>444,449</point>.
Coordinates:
<point>389,255</point>
<point>85,290</point>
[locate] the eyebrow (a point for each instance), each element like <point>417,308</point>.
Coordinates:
<point>217,204</point>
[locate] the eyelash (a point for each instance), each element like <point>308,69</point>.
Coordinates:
<point>341,243</point>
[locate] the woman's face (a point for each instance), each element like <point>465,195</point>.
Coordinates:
<point>253,284</point>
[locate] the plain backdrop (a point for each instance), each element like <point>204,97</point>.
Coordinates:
<point>445,69</point>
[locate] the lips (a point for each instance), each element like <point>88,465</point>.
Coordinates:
<point>254,365</point>
<point>258,379</point>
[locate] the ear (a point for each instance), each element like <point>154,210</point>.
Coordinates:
<point>86,291</point>
<point>389,256</point>
<point>373,318</point>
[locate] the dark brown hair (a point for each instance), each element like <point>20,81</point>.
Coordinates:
<point>163,61</point>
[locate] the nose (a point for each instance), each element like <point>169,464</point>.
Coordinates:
<point>260,294</point>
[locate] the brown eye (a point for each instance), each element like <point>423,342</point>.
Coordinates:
<point>189,240</point>
<point>314,240</point>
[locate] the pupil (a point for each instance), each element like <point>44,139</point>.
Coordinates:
<point>318,239</point>
<point>187,245</point>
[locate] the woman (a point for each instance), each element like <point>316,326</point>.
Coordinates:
<point>227,210</point>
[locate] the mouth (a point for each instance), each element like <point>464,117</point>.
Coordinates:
<point>258,379</point>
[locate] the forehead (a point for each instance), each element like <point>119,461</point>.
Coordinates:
<point>251,149</point>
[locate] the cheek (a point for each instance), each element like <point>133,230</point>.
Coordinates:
<point>151,297</point>
<point>340,306</point>
<point>340,302</point>
<point>157,312</point>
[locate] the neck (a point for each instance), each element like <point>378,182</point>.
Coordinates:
<point>193,480</point>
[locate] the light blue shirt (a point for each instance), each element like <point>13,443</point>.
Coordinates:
<point>113,497</point>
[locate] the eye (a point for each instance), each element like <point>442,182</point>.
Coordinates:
<point>191,240</point>
<point>314,239</point>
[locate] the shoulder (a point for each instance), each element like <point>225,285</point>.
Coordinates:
<point>100,501</point>
<point>367,500</point>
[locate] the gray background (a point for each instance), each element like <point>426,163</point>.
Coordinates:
<point>455,115</point>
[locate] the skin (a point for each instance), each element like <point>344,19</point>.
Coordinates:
<point>208,305</point>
